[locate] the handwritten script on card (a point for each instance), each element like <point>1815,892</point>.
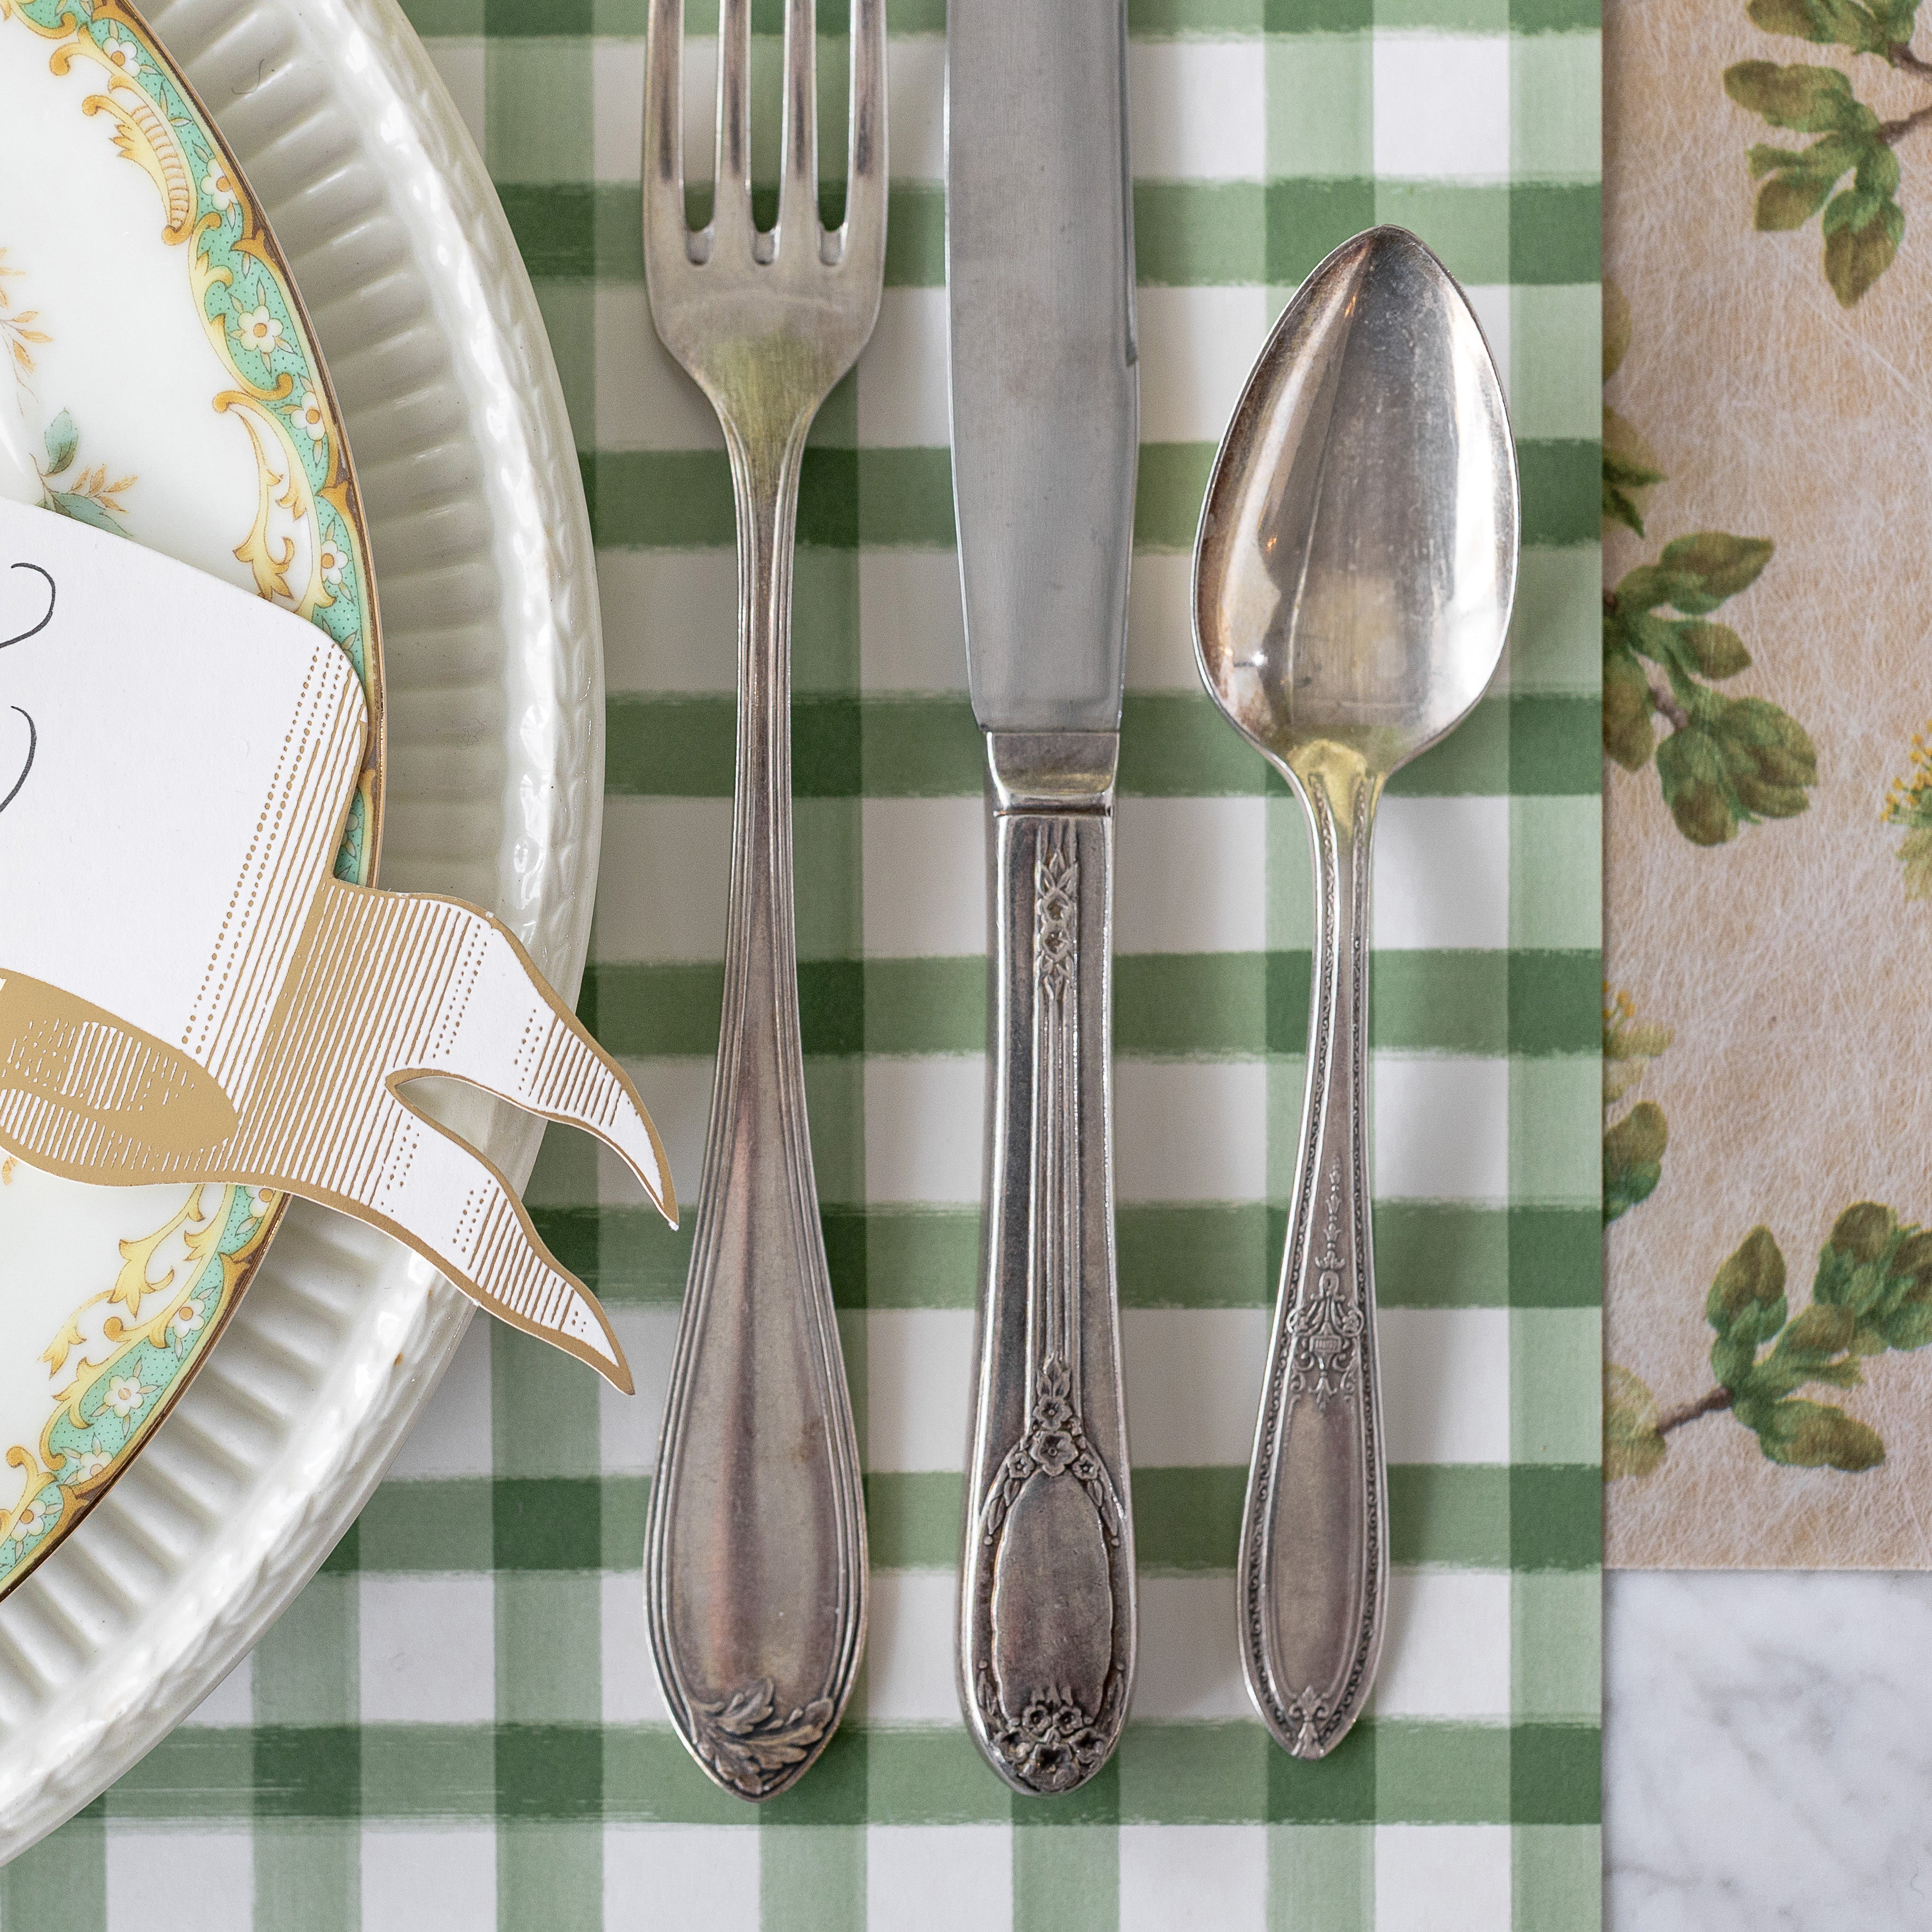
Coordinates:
<point>33,730</point>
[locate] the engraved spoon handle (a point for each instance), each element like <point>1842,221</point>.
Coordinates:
<point>1314,1558</point>
<point>755,1553</point>
<point>1047,1611</point>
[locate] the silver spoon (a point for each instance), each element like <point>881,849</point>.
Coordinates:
<point>1352,584</point>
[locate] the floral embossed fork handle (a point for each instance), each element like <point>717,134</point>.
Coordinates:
<point>755,1560</point>
<point>1353,579</point>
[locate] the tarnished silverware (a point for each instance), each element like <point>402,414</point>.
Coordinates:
<point>1040,274</point>
<point>1353,579</point>
<point>754,1561</point>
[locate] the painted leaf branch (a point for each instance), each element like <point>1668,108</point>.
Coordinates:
<point>1862,220</point>
<point>1908,803</point>
<point>1727,761</point>
<point>87,496</point>
<point>1872,1292</point>
<point>19,338</point>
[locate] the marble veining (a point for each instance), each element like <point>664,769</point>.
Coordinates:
<point>1767,1751</point>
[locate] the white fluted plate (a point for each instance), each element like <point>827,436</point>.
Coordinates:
<point>481,551</point>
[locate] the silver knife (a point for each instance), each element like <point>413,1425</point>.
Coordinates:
<point>1045,424</point>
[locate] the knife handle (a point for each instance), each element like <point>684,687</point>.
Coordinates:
<point>754,1556</point>
<point>1047,1610</point>
<point>1313,1579</point>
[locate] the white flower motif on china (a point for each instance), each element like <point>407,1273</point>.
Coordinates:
<point>124,1395</point>
<point>87,1466</point>
<point>189,1319</point>
<point>332,561</point>
<point>259,330</point>
<point>32,1519</point>
<point>125,53</point>
<point>261,1199</point>
<point>218,188</point>
<point>311,415</point>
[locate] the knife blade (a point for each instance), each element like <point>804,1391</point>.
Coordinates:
<point>1045,418</point>
<point>1045,395</point>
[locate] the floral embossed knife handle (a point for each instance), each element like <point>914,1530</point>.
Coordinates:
<point>1046,1645</point>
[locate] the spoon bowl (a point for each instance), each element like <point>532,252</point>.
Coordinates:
<point>1353,579</point>
<point>1356,559</point>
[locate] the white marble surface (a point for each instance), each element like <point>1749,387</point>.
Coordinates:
<point>1767,1751</point>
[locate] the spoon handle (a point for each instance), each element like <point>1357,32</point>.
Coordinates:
<point>1047,1615</point>
<point>1314,1560</point>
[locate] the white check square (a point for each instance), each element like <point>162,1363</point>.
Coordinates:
<point>1442,1878</point>
<point>177,1880</point>
<point>924,877</point>
<point>1442,106</point>
<point>674,857</point>
<point>1446,1645</point>
<point>1190,1131</point>
<point>923,1123</point>
<point>1193,1878</point>
<point>434,1879</point>
<point>707,1874</point>
<point>910,1678</point>
<point>1442,872</point>
<point>427,1650</point>
<point>1193,1383</point>
<point>1197,110</point>
<point>939,1878</point>
<point>1189,875</point>
<point>1445,1383</point>
<point>903,399</point>
<point>1196,346</point>
<point>912,621</point>
<point>630,1692</point>
<point>1190,1666</point>
<point>919,1374</point>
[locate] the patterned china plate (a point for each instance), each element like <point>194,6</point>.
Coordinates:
<point>170,386</point>
<point>160,381</point>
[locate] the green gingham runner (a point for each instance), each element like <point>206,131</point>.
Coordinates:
<point>456,1726</point>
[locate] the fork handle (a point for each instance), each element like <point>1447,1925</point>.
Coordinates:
<point>1047,1606</point>
<point>1313,1572</point>
<point>755,1552</point>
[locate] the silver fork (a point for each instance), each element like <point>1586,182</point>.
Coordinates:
<point>755,1559</point>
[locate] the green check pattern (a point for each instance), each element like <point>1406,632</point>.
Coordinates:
<point>456,1727</point>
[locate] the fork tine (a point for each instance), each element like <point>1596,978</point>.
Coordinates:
<point>664,133</point>
<point>731,212</point>
<point>863,236</point>
<point>798,183</point>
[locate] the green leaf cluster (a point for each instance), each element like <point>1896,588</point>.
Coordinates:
<point>1882,29</point>
<point>1633,1158</point>
<point>1873,1291</point>
<point>1634,1444</point>
<point>1632,1146</point>
<point>1863,223</point>
<point>1909,804</point>
<point>1629,470</point>
<point>1728,761</point>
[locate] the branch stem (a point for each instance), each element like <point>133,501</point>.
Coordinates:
<point>1668,706</point>
<point>1706,1404</point>
<point>1901,55</point>
<point>1892,132</point>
